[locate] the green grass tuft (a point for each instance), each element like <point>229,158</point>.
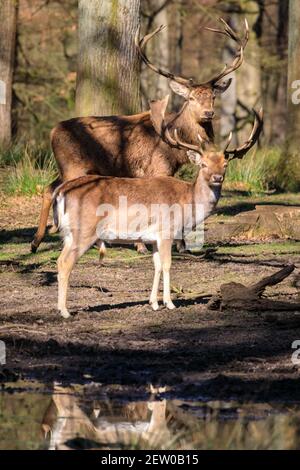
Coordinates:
<point>258,172</point>
<point>32,170</point>
<point>11,155</point>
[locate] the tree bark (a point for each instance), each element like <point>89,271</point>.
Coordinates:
<point>176,14</point>
<point>8,27</point>
<point>155,86</point>
<point>291,161</point>
<point>248,77</point>
<point>108,80</point>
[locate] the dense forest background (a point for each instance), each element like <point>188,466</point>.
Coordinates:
<point>46,62</point>
<point>46,66</point>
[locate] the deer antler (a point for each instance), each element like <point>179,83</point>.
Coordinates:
<point>186,145</point>
<point>189,82</point>
<point>239,56</point>
<point>157,113</point>
<point>141,43</point>
<point>253,138</point>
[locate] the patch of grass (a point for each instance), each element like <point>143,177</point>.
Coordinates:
<point>12,155</point>
<point>256,173</point>
<point>31,172</point>
<point>48,254</point>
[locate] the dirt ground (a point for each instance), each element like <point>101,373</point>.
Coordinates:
<point>114,338</point>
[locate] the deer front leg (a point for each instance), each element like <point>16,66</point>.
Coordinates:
<point>157,271</point>
<point>165,251</point>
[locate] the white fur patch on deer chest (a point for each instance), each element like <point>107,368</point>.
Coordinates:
<point>138,222</point>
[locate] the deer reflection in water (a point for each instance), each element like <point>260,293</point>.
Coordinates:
<point>68,424</point>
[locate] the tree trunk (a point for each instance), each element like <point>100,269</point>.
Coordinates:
<point>108,80</point>
<point>155,86</point>
<point>176,14</point>
<point>228,101</point>
<point>248,77</point>
<point>8,26</point>
<point>291,161</point>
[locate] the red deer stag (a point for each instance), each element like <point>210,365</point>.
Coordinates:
<point>128,145</point>
<point>104,211</point>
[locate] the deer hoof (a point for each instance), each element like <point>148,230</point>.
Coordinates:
<point>141,249</point>
<point>33,247</point>
<point>53,229</point>
<point>154,305</point>
<point>169,305</point>
<point>64,313</point>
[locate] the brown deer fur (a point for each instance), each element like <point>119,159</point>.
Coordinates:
<point>123,146</point>
<point>128,145</point>
<point>79,199</point>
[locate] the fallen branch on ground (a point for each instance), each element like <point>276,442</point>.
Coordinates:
<point>238,296</point>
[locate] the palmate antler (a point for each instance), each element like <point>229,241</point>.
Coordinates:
<point>189,82</point>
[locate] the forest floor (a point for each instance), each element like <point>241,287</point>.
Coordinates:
<point>114,338</point>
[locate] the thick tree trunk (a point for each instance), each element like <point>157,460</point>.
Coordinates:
<point>291,161</point>
<point>108,80</point>
<point>8,18</point>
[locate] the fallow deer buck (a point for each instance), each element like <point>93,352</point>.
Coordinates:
<point>89,208</point>
<point>128,146</point>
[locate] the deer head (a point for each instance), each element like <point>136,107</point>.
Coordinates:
<point>199,97</point>
<point>212,162</point>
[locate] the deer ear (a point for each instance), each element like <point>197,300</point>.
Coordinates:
<point>180,89</point>
<point>194,157</point>
<point>220,88</point>
<point>157,113</point>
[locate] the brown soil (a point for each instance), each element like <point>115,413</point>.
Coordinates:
<point>114,338</point>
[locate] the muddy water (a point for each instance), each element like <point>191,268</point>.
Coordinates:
<point>33,417</point>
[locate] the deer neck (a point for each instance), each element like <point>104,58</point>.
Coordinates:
<point>205,195</point>
<point>189,128</point>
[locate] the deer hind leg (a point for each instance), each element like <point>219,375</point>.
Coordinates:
<point>70,254</point>
<point>157,272</point>
<point>165,252</point>
<point>65,264</point>
<point>46,205</point>
<point>102,249</point>
<point>180,246</point>
<point>141,248</point>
